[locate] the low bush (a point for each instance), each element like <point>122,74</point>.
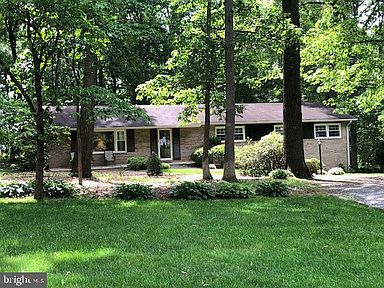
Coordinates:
<point>165,166</point>
<point>15,190</point>
<point>336,171</point>
<point>228,190</point>
<point>154,165</point>
<point>262,157</point>
<point>197,156</point>
<point>192,191</point>
<point>280,174</point>
<point>133,191</point>
<point>313,165</point>
<point>216,155</point>
<point>214,141</point>
<point>136,163</point>
<point>272,188</point>
<point>58,189</point>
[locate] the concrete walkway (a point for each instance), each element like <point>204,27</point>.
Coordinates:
<point>364,189</point>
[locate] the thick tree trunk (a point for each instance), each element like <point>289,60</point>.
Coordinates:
<point>292,115</point>
<point>86,118</point>
<point>39,194</point>
<point>207,95</point>
<point>229,156</point>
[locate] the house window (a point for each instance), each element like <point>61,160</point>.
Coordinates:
<point>121,141</point>
<point>278,129</point>
<point>103,141</point>
<point>110,141</point>
<point>327,131</point>
<point>239,133</point>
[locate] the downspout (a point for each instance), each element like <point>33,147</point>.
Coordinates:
<point>348,147</point>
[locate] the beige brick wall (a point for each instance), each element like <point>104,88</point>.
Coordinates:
<point>334,151</point>
<point>60,155</point>
<point>190,139</point>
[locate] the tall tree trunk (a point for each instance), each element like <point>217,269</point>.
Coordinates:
<point>229,155</point>
<point>207,94</point>
<point>292,115</point>
<point>86,121</point>
<point>39,194</point>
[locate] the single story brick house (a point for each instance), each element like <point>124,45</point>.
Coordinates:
<point>174,143</point>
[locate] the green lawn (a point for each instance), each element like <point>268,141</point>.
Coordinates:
<point>300,241</point>
<point>192,171</point>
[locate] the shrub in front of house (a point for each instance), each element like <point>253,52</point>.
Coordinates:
<point>280,174</point>
<point>165,166</point>
<point>313,165</point>
<point>336,171</point>
<point>262,157</point>
<point>192,191</point>
<point>136,163</point>
<point>154,165</point>
<point>197,156</point>
<point>214,141</point>
<point>228,190</point>
<point>133,191</point>
<point>271,188</point>
<point>216,155</point>
<point>15,190</point>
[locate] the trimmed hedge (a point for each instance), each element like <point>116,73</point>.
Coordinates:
<point>136,163</point>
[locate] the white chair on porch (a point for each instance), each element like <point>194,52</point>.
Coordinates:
<point>109,157</point>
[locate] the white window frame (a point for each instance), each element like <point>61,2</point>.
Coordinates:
<point>327,130</point>
<point>170,144</point>
<point>276,128</point>
<point>236,127</point>
<point>116,140</point>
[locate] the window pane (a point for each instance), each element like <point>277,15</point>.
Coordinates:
<point>321,128</point>
<point>239,137</point>
<point>321,134</point>
<point>334,130</point>
<point>239,134</point>
<point>120,145</point>
<point>103,141</point>
<point>220,134</point>
<point>279,129</point>
<point>120,136</point>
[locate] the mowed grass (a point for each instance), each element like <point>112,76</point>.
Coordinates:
<point>300,241</point>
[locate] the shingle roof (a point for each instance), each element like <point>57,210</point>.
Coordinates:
<point>167,116</point>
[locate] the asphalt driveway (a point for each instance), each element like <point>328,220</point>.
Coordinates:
<point>364,189</point>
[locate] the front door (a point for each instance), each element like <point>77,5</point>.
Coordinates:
<point>165,144</point>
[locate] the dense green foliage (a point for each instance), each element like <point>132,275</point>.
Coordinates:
<point>280,174</point>
<point>336,171</point>
<point>15,190</point>
<point>228,190</point>
<point>133,191</point>
<point>193,191</point>
<point>260,158</point>
<point>136,163</point>
<point>52,189</point>
<point>272,188</point>
<point>313,165</point>
<point>154,165</point>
